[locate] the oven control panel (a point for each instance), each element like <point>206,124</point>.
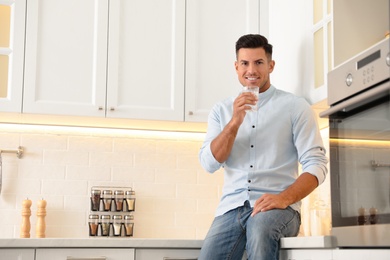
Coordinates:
<point>359,73</point>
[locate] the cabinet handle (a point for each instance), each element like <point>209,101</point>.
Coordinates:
<point>100,108</point>
<point>86,258</point>
<point>190,113</point>
<point>112,109</point>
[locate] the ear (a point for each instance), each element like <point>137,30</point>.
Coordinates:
<point>236,65</point>
<point>271,66</point>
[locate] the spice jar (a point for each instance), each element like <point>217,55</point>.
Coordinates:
<point>105,225</point>
<point>129,225</point>
<point>93,224</point>
<point>118,198</point>
<point>117,225</point>
<point>130,200</point>
<point>107,198</point>
<point>95,200</point>
<point>362,218</point>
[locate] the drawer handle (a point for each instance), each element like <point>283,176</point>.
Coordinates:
<point>86,258</point>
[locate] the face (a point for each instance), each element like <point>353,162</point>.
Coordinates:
<point>253,68</point>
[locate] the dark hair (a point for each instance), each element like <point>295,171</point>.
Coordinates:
<point>254,41</point>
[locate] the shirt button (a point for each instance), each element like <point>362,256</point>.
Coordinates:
<point>252,146</point>
<point>249,181</point>
<point>251,166</point>
<point>253,126</point>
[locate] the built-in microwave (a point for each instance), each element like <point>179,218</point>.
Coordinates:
<point>359,131</point>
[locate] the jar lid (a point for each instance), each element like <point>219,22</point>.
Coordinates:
<point>118,192</point>
<point>95,191</point>
<point>117,217</point>
<point>129,217</point>
<point>108,192</point>
<point>105,216</point>
<point>130,192</point>
<point>93,216</point>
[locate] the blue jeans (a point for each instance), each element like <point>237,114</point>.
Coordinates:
<point>235,231</point>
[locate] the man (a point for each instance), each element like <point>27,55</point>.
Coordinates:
<point>259,152</point>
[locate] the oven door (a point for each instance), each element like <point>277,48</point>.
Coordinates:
<point>359,131</point>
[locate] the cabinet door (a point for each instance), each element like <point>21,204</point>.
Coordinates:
<point>361,254</point>
<point>66,56</point>
<point>17,254</point>
<point>146,59</point>
<point>306,254</point>
<point>212,29</point>
<point>167,254</point>
<point>85,254</point>
<point>12,29</point>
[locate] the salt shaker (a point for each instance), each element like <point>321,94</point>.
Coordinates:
<point>41,214</point>
<point>26,213</point>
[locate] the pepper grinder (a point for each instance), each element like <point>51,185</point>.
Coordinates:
<point>41,214</point>
<point>26,213</point>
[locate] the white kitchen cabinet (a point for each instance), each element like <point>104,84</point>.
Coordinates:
<point>167,254</point>
<point>212,29</point>
<point>306,254</point>
<point>91,58</point>
<point>146,59</point>
<point>85,254</point>
<point>17,254</point>
<point>151,59</point>
<point>12,27</point>
<point>361,254</point>
<point>66,57</point>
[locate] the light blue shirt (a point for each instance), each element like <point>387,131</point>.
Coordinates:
<point>268,146</point>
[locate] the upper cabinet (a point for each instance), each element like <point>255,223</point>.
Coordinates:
<point>358,24</point>
<point>146,59</point>
<point>139,59</point>
<point>12,28</point>
<point>212,29</point>
<point>66,56</point>
<point>91,58</point>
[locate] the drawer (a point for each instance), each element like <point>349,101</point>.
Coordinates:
<point>84,254</point>
<point>167,254</point>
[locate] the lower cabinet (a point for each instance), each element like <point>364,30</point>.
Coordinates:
<point>334,254</point>
<point>17,254</point>
<point>306,254</point>
<point>85,254</point>
<point>167,254</point>
<point>363,254</point>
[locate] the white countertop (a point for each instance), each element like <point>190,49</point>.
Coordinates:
<point>98,242</point>
<point>291,242</point>
<point>308,242</point>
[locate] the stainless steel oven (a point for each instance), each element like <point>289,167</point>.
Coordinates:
<point>359,131</point>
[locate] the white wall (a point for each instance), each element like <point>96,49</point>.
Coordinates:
<point>175,197</point>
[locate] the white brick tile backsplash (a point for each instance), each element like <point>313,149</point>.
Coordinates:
<point>38,171</point>
<point>176,176</point>
<point>111,159</point>
<point>65,157</point>
<point>99,173</point>
<point>82,143</point>
<point>64,187</point>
